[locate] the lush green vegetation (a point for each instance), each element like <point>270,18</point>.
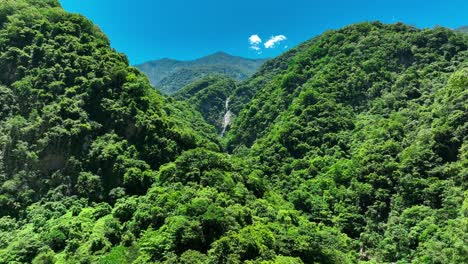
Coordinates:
<point>349,148</point>
<point>366,132</point>
<point>209,95</point>
<point>169,75</point>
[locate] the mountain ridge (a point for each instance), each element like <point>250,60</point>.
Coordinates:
<point>170,75</point>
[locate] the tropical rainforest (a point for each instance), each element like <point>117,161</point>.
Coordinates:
<point>350,148</point>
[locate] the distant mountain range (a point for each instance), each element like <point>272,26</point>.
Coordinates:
<point>169,76</point>
<point>462,29</point>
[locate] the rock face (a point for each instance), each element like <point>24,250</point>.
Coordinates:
<point>169,76</point>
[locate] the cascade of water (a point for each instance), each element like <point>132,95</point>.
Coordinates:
<point>227,117</point>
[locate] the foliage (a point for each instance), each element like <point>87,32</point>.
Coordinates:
<point>208,96</point>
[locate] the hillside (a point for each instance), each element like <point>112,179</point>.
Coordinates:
<point>346,63</point>
<point>366,129</point>
<point>169,75</point>
<point>210,96</point>
<point>350,148</point>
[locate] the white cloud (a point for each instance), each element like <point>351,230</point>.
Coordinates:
<point>274,40</point>
<point>255,42</point>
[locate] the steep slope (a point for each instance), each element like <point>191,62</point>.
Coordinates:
<point>210,96</point>
<point>345,63</point>
<point>367,131</point>
<point>171,75</point>
<point>246,90</point>
<point>76,119</point>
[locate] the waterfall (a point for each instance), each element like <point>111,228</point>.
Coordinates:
<point>227,116</point>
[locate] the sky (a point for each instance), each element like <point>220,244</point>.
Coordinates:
<point>188,29</point>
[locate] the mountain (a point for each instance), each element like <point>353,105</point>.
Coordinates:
<point>365,130</point>
<point>350,148</point>
<point>462,29</point>
<point>299,70</point>
<point>169,75</point>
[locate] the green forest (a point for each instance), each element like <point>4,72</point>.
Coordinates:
<point>349,148</point>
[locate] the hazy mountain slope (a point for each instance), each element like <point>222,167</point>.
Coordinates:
<point>462,29</point>
<point>171,75</point>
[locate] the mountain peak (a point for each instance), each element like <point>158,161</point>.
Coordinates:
<point>221,53</point>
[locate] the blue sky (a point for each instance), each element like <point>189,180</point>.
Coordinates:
<point>187,29</point>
